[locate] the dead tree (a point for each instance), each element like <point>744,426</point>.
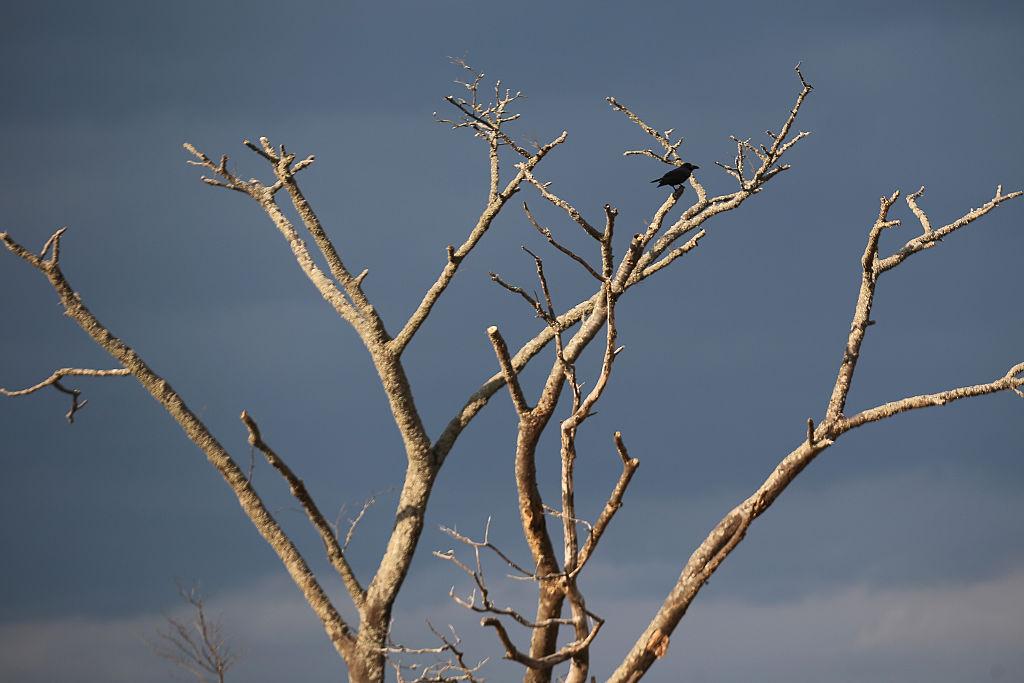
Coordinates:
<point>197,646</point>
<point>365,646</point>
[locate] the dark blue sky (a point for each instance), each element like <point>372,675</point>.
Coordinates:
<point>897,556</point>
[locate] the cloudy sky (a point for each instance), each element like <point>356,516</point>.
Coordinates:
<point>897,556</point>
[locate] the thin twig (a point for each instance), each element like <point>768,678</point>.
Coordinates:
<point>546,232</point>
<point>54,379</point>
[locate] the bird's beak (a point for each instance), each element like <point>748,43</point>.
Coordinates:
<point>696,167</point>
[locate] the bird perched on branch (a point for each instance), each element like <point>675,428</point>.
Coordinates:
<point>677,176</point>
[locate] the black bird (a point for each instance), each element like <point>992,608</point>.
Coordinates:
<point>677,176</point>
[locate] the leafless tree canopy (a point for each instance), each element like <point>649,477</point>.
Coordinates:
<point>197,646</point>
<point>615,265</point>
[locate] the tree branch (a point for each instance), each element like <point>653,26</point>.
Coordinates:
<point>671,155</point>
<point>456,256</point>
<point>629,467</point>
<point>334,551</point>
<point>54,380</point>
<point>546,232</point>
<point>501,351</point>
<point>337,629</point>
<point>930,238</point>
<point>352,305</point>
<point>1011,381</point>
<point>539,663</point>
<point>569,209</point>
<point>486,120</point>
<point>692,219</point>
<point>454,669</point>
<point>862,311</point>
<point>371,326</point>
<point>571,424</point>
<point>60,374</point>
<point>728,533</point>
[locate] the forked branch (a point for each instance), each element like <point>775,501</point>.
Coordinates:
<point>629,467</point>
<point>646,265</point>
<point>337,629</point>
<point>670,149</point>
<point>455,256</point>
<point>54,381</point>
<point>728,533</point>
<point>546,662</point>
<point>450,670</point>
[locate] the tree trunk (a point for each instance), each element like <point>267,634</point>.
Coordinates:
<point>368,663</point>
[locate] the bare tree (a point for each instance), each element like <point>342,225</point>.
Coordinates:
<point>365,646</point>
<point>197,646</point>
